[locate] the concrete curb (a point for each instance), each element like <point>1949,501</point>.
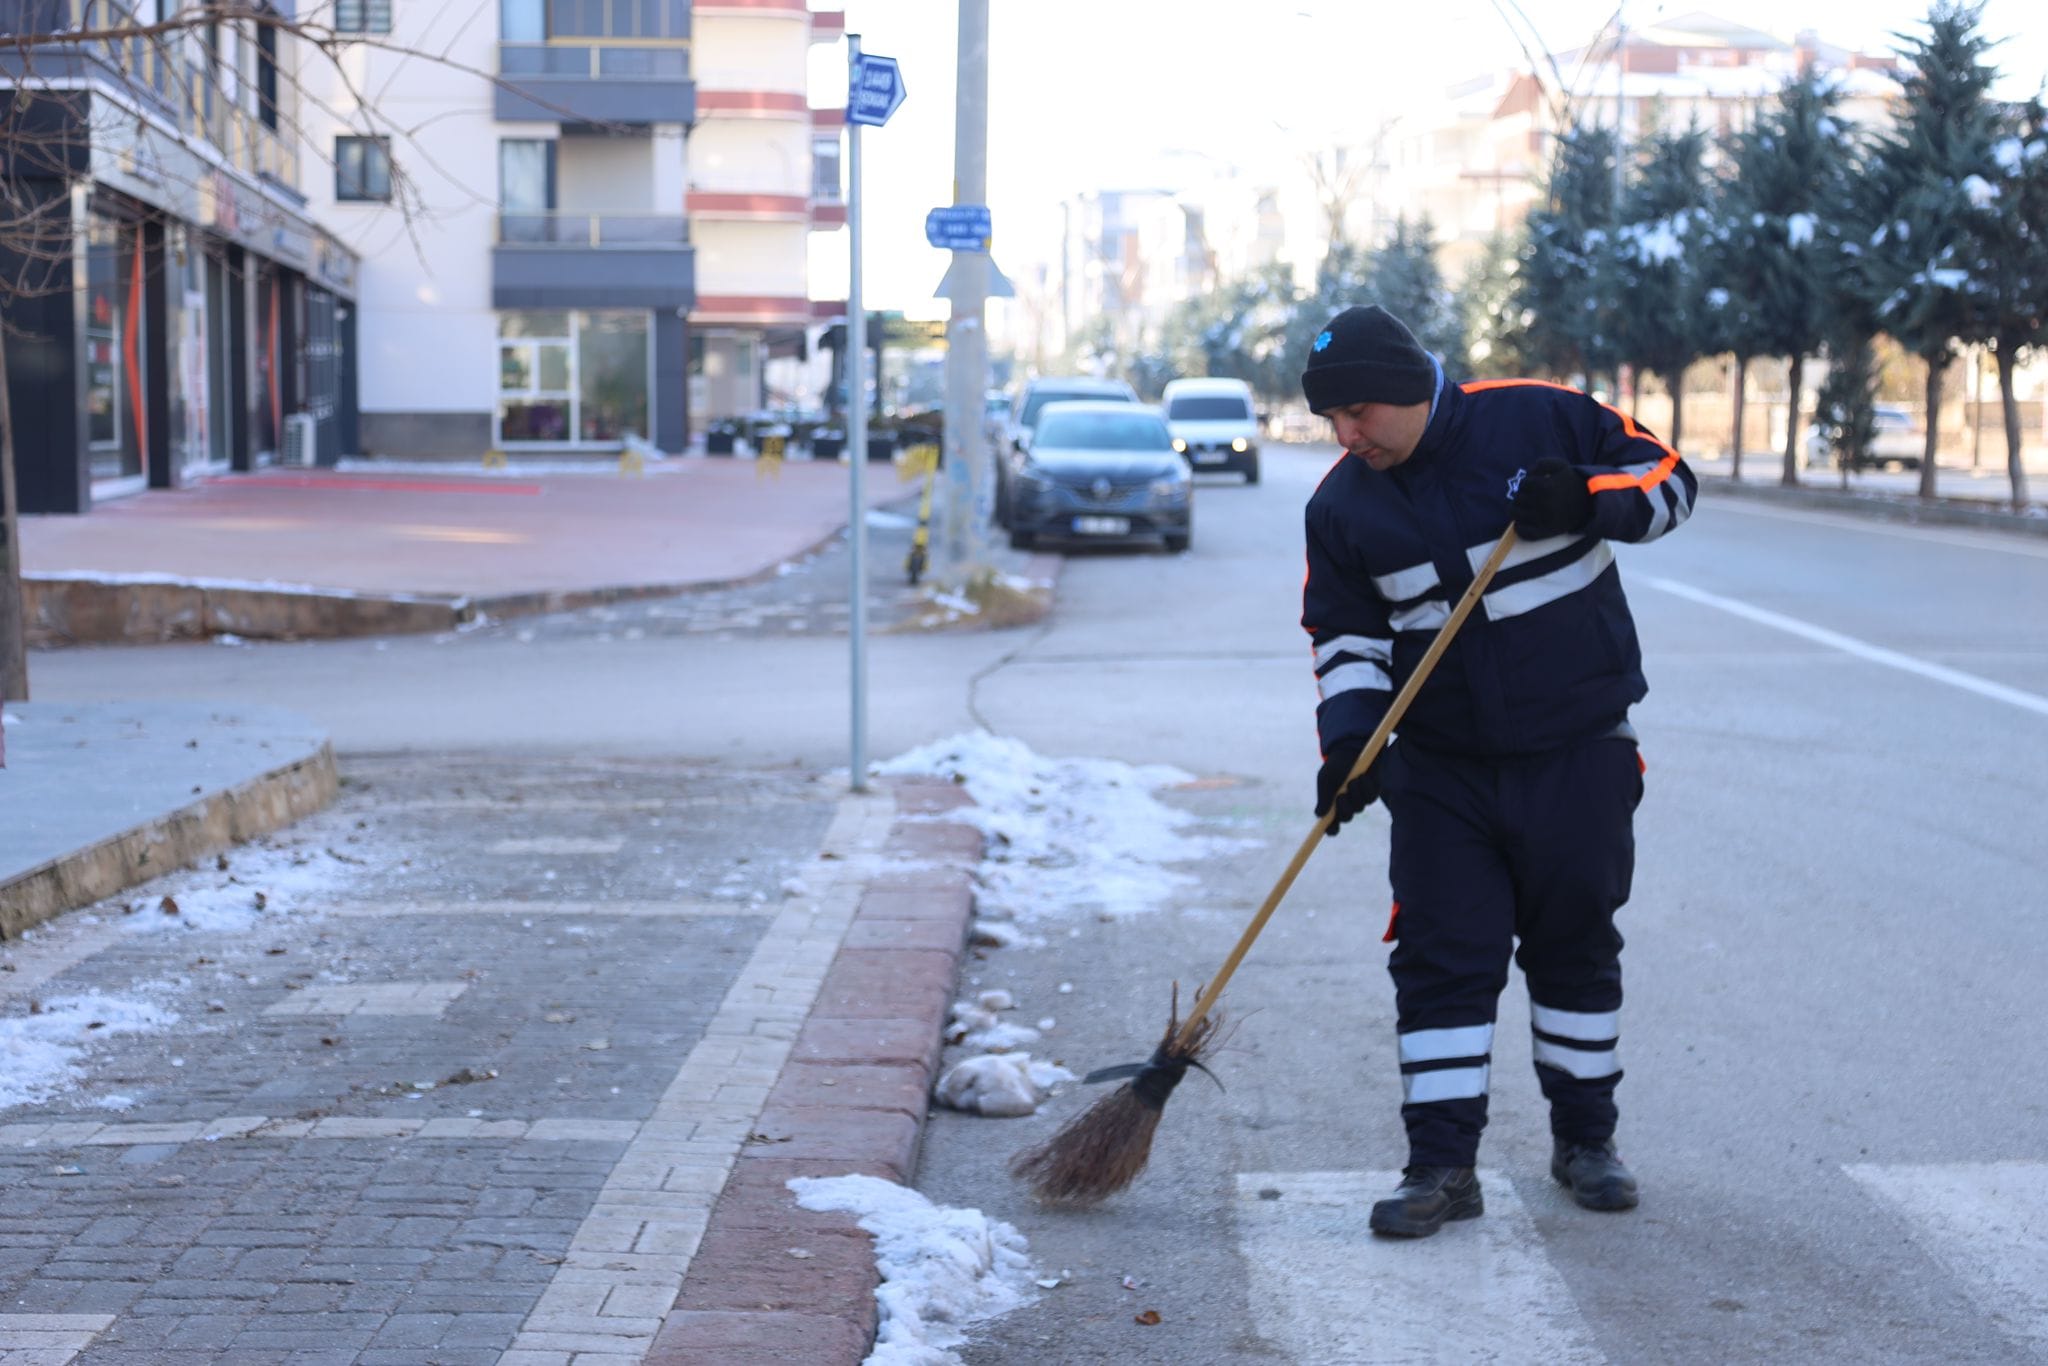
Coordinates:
<point>206,826</point>
<point>79,609</point>
<point>1955,512</point>
<point>852,1099</point>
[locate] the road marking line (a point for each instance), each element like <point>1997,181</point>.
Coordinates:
<point>1496,1296</point>
<point>1964,538</point>
<point>1983,1222</point>
<point>1876,654</point>
<point>646,1223</point>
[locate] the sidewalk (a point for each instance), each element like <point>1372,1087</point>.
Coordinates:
<point>312,553</point>
<point>1964,496</point>
<point>657,1226</point>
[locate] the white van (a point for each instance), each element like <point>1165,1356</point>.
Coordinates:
<point>1214,424</point>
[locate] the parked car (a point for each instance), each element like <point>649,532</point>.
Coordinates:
<point>1101,471</point>
<point>1024,419</point>
<point>1215,425</point>
<point>1893,442</point>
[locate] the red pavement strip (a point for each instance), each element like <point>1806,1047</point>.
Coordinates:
<point>874,1034</point>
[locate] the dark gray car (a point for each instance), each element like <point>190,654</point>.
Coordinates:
<point>1098,471</point>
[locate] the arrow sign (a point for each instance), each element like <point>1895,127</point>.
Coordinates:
<point>875,92</point>
<point>961,227</point>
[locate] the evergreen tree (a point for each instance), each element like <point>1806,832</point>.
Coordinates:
<point>1662,325</point>
<point>2010,262</point>
<point>1917,265</point>
<point>1781,230</point>
<point>1487,312</point>
<point>1406,281</point>
<point>1344,278</point>
<point>1565,284</point>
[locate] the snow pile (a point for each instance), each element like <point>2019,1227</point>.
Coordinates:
<point>942,1269</point>
<point>1981,192</point>
<point>40,1051</point>
<point>258,884</point>
<point>1066,836</point>
<point>1799,229</point>
<point>1004,1084</point>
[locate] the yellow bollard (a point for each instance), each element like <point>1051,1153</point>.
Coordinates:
<point>769,462</point>
<point>494,460</point>
<point>630,462</point>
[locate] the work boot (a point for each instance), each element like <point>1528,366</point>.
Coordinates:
<point>1429,1198</point>
<point>1595,1174</point>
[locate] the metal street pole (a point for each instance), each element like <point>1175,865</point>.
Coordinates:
<point>857,433</point>
<point>966,476</point>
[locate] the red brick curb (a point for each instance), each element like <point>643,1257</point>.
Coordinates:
<point>773,1283</point>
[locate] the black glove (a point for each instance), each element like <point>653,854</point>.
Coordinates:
<point>1362,792</point>
<point>1552,500</point>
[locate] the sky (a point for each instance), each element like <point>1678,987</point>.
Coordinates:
<point>1107,94</point>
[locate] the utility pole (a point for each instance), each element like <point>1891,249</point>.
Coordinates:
<point>963,548</point>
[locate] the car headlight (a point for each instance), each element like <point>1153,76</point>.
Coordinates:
<point>1169,487</point>
<point>1033,478</point>
<point>1180,445</point>
<point>1240,445</point>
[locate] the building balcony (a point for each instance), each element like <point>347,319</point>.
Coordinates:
<point>577,260</point>
<point>626,83</point>
<point>828,25</point>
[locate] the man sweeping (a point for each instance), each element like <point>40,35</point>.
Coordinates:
<point>1513,782</point>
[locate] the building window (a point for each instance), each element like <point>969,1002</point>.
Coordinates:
<point>526,190</point>
<point>362,169</point>
<point>825,170</point>
<point>663,19</point>
<point>266,75</point>
<point>572,378</point>
<point>362,16</point>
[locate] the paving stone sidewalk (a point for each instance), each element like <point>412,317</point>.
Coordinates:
<point>515,1078</point>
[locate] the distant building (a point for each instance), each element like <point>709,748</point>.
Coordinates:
<point>1475,159</point>
<point>172,299</point>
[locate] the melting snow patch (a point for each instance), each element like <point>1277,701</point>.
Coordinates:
<point>258,885</point>
<point>40,1052</point>
<point>1067,837</point>
<point>1000,1084</point>
<point>942,1269</point>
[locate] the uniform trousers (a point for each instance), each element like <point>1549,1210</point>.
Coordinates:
<point>1529,856</point>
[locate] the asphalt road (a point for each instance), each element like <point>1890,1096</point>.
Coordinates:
<point>1834,1093</point>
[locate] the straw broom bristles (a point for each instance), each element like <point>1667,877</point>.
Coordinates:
<point>1101,1150</point>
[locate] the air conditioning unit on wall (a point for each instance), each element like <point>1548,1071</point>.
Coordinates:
<point>301,440</point>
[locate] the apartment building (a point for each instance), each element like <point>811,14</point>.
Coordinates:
<point>513,180</point>
<point>1474,160</point>
<point>765,174</point>
<point>173,302</point>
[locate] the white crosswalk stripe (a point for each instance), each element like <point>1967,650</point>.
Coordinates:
<point>1325,1290</point>
<point>1986,1223</point>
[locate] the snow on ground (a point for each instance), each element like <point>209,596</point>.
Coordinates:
<point>40,1051</point>
<point>1005,1084</point>
<point>258,884</point>
<point>942,1269</point>
<point>1067,837</point>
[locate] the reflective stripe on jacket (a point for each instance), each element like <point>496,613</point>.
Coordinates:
<point>1552,657</point>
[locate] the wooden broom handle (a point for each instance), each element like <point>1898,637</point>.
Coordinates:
<point>1372,749</point>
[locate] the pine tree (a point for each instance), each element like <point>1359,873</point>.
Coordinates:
<point>1486,305</point>
<point>1406,281</point>
<point>1662,325</point>
<point>1781,226</point>
<point>1917,265</point>
<point>1565,283</point>
<point>2010,251</point>
<point>1344,278</point>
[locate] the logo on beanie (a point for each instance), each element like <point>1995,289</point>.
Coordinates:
<point>1322,341</point>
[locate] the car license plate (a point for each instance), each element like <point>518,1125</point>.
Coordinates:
<point>1209,457</point>
<point>1102,526</point>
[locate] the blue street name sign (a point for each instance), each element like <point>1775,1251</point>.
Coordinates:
<point>960,227</point>
<point>875,92</point>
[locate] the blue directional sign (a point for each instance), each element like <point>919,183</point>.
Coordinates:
<point>961,227</point>
<point>875,91</point>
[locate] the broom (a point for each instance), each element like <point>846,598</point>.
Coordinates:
<point>1102,1150</point>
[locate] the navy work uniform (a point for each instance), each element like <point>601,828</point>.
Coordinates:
<point>1514,779</point>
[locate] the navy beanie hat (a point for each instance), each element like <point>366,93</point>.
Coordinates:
<point>1367,355</point>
